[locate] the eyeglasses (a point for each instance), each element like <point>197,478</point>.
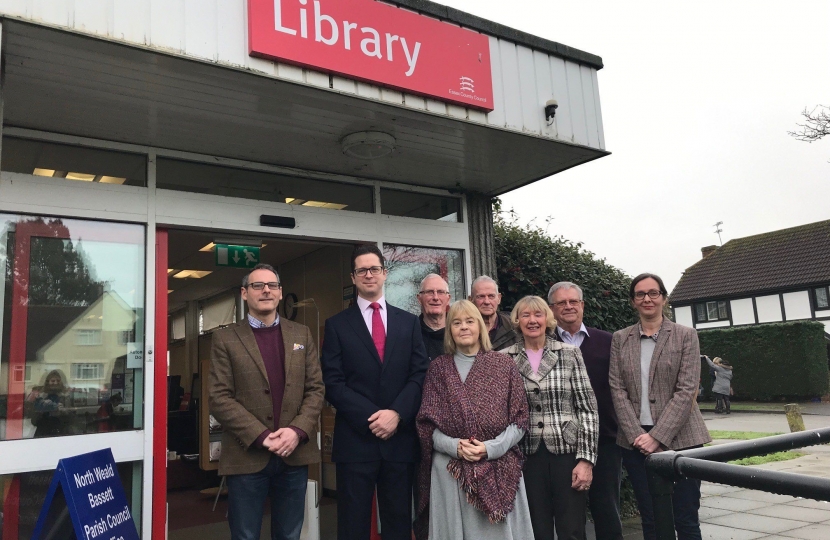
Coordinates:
<point>374,270</point>
<point>491,297</point>
<point>259,285</point>
<point>434,292</point>
<point>564,303</point>
<point>653,294</point>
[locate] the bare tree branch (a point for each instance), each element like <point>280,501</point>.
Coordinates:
<point>816,126</point>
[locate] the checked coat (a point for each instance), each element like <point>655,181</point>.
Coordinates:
<point>673,380</point>
<point>563,408</point>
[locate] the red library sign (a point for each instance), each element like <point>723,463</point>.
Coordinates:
<point>375,42</point>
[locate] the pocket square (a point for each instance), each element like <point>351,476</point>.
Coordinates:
<point>298,347</point>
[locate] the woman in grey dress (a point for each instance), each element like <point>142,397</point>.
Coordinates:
<point>473,414</point>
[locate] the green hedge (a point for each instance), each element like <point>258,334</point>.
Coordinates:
<point>770,361</point>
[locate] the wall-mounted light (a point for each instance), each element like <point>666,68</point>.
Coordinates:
<point>366,145</point>
<point>550,110</point>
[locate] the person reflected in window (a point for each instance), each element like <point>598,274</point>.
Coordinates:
<point>561,446</point>
<point>49,406</point>
<point>655,369</point>
<point>473,415</point>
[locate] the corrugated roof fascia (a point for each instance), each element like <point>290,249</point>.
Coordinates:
<point>500,31</point>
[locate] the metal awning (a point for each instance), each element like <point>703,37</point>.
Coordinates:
<point>64,82</point>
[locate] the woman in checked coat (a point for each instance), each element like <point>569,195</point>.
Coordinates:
<point>561,445</point>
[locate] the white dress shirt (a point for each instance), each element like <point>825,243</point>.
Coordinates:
<point>366,310</point>
<point>575,339</point>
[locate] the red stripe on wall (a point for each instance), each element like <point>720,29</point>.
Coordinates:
<point>159,528</point>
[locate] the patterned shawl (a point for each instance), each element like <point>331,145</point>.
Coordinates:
<point>491,398</point>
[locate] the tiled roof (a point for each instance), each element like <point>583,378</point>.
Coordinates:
<point>780,259</point>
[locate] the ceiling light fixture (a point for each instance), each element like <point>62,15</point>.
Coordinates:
<point>192,274</point>
<point>366,145</point>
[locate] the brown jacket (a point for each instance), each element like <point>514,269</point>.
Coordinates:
<point>240,396</point>
<point>673,380</point>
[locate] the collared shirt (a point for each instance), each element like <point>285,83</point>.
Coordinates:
<point>576,338</point>
<point>647,345</point>
<point>256,323</point>
<point>365,307</point>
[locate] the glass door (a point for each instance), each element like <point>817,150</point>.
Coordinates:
<point>71,355</point>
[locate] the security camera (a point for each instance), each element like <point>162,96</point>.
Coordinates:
<point>550,110</point>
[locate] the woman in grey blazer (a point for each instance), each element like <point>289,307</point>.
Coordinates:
<point>655,369</point>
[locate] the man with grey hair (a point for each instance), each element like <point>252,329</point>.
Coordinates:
<point>566,301</point>
<point>434,297</point>
<point>485,294</point>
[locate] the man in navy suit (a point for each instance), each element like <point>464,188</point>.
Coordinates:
<point>565,299</point>
<point>374,363</point>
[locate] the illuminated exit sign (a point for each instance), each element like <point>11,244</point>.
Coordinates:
<point>236,256</point>
<point>378,43</point>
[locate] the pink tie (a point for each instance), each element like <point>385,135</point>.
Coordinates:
<point>378,331</point>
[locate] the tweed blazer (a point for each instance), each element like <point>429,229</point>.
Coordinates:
<point>240,395</point>
<point>673,380</point>
<point>563,408</point>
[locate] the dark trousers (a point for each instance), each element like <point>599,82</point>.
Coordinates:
<point>685,501</point>
<point>284,485</point>
<point>356,483</point>
<point>553,503</point>
<point>722,403</point>
<point>604,495</point>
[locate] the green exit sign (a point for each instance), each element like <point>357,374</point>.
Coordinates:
<point>236,256</point>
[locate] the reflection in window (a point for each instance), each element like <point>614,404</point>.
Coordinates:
<point>22,495</point>
<point>420,205</point>
<point>261,186</point>
<point>74,289</point>
<point>409,265</point>
<point>822,299</point>
<point>69,162</point>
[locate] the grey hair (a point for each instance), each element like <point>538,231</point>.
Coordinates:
<point>260,266</point>
<point>563,285</point>
<point>431,276</point>
<point>484,279</point>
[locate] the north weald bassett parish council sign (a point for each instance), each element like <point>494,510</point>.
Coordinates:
<point>378,43</point>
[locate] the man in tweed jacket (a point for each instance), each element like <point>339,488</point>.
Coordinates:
<point>266,390</point>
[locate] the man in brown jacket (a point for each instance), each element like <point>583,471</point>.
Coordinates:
<point>266,390</point>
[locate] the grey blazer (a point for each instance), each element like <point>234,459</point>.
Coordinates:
<point>673,381</point>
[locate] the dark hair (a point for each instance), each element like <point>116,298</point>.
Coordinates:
<point>640,278</point>
<point>367,249</point>
<point>260,266</point>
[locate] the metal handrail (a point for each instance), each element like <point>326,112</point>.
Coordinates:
<point>666,468</point>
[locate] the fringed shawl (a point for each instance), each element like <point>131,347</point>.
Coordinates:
<point>492,397</point>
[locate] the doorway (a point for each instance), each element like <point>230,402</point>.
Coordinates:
<point>203,295</point>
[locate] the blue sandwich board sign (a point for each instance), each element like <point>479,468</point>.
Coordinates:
<point>86,489</point>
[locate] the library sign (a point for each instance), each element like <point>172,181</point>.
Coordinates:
<point>88,487</point>
<point>378,43</point>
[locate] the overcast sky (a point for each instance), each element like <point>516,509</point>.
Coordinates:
<point>697,98</point>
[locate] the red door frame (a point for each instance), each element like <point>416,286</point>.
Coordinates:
<point>159,510</point>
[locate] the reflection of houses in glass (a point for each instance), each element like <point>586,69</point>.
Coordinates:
<point>409,265</point>
<point>90,350</point>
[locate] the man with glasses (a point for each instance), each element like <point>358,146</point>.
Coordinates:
<point>485,294</point>
<point>434,298</point>
<point>565,299</point>
<point>266,390</point>
<point>374,363</point>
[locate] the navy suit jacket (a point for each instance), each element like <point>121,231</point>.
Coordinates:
<point>358,384</point>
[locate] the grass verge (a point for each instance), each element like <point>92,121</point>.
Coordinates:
<point>739,435</point>
<point>769,458</point>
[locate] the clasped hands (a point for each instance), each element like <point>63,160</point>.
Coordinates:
<point>282,442</point>
<point>471,450</point>
<point>647,444</point>
<point>384,423</point>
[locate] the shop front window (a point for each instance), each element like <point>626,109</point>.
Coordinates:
<point>394,202</point>
<point>409,265</point>
<point>72,292</point>
<point>262,186</point>
<point>67,162</point>
<point>22,496</point>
